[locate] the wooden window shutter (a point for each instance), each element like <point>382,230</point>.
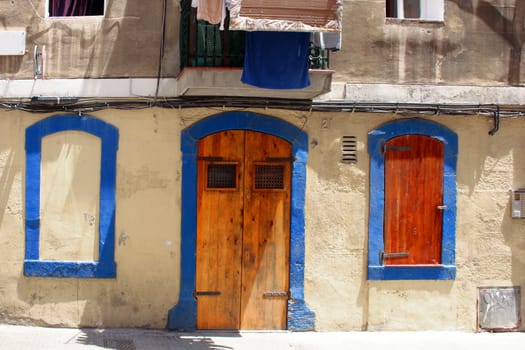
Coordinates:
<point>286,15</point>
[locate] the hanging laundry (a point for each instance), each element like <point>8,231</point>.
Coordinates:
<point>276,60</point>
<point>211,11</point>
<point>328,40</point>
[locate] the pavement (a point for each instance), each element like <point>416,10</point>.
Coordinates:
<point>40,338</point>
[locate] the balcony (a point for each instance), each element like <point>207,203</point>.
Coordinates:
<point>212,63</point>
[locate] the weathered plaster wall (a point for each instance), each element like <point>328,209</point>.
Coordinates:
<point>147,230</point>
<point>70,184</point>
<point>125,42</point>
<point>475,44</point>
<point>472,46</point>
<point>490,245</point>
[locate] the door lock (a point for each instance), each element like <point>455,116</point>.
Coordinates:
<point>206,293</point>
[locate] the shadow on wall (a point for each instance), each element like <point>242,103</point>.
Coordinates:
<point>495,166</point>
<point>125,43</point>
<point>514,229</point>
<point>11,167</point>
<point>511,30</point>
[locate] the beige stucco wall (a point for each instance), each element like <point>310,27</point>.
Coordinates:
<point>70,184</point>
<point>147,230</point>
<point>490,245</point>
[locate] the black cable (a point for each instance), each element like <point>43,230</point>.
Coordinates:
<point>161,49</point>
<point>95,104</point>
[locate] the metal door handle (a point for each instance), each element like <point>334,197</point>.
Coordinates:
<point>442,207</point>
<point>383,256</point>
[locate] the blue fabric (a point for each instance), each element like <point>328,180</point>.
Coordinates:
<point>276,60</point>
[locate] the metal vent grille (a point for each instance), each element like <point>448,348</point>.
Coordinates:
<point>349,149</point>
<point>119,344</point>
<point>518,203</point>
<point>222,175</point>
<point>269,176</point>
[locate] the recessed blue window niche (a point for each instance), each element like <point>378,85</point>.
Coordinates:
<point>377,138</point>
<point>105,267</point>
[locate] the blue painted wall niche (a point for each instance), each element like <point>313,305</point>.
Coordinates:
<point>376,140</point>
<point>105,267</point>
<point>183,316</point>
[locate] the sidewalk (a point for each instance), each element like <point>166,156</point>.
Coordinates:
<point>37,338</point>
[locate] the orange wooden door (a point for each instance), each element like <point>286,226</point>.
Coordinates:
<point>219,230</point>
<point>243,221</point>
<point>413,200</point>
<point>266,232</point>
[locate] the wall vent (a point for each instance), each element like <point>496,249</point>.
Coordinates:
<point>518,203</point>
<point>349,149</point>
<point>499,308</point>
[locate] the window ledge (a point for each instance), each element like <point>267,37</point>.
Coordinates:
<point>415,272</point>
<point>88,269</point>
<point>414,21</point>
<point>216,81</point>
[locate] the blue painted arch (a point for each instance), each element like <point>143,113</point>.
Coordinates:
<point>105,267</point>
<point>376,139</point>
<point>184,315</point>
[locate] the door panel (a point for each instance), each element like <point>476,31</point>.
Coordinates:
<point>266,233</point>
<point>243,231</point>
<point>219,232</point>
<point>413,200</point>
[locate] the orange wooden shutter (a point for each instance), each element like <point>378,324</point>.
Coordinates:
<point>413,200</point>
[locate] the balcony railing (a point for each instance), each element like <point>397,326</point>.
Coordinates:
<point>205,45</point>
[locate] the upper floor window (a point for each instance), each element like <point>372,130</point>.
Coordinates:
<point>68,8</point>
<point>429,10</point>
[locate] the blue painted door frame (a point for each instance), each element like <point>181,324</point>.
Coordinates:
<point>183,316</point>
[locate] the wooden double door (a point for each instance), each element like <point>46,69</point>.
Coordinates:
<point>243,231</point>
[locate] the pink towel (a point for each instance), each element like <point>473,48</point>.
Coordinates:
<point>210,10</point>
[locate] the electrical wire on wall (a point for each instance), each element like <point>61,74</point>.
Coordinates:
<point>54,104</point>
<point>161,47</point>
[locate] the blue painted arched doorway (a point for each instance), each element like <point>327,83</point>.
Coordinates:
<point>183,315</point>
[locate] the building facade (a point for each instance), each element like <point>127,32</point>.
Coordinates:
<point>145,183</point>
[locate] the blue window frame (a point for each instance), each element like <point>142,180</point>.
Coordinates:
<point>376,139</point>
<point>105,267</point>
